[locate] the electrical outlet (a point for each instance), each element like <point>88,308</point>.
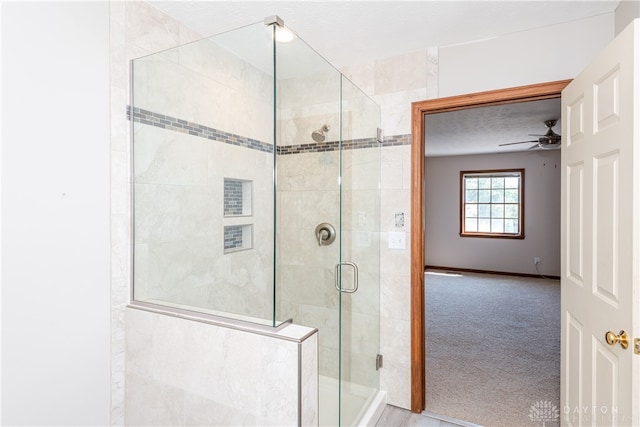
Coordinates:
<point>536,260</point>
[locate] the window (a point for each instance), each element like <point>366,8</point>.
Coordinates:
<point>492,203</point>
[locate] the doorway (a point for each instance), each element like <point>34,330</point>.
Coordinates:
<point>419,110</point>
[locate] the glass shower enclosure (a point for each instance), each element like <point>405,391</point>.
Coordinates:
<point>256,169</point>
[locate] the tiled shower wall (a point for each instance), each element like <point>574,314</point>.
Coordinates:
<point>179,213</point>
<point>197,124</point>
<point>190,136</point>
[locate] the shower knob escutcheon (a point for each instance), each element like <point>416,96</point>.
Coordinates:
<point>325,234</point>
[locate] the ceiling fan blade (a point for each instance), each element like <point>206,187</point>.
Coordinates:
<point>534,147</point>
<point>513,143</point>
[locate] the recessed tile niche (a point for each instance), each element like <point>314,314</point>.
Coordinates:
<point>238,197</point>
<point>238,237</point>
<point>238,202</point>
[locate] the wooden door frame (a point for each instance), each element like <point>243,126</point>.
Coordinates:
<point>418,111</point>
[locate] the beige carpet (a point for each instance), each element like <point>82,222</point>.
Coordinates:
<point>493,348</point>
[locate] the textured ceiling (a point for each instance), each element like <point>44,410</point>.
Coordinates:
<point>355,32</point>
<point>481,130</point>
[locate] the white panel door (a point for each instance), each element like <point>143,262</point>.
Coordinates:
<point>601,238</point>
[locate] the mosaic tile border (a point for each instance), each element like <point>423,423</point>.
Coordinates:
<point>178,125</point>
<point>390,141</point>
<point>317,147</point>
<point>349,144</point>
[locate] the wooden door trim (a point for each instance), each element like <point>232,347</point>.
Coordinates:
<point>418,111</point>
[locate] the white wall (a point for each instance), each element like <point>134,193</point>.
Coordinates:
<point>542,55</point>
<point>443,245</point>
<point>627,11</point>
<point>55,218</point>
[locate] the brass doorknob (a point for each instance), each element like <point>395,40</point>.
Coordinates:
<point>622,338</point>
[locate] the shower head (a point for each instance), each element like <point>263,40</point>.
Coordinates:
<point>319,135</point>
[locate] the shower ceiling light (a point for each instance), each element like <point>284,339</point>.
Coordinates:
<point>283,35</point>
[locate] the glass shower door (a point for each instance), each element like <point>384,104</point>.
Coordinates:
<point>359,267</point>
<point>308,126</point>
<point>327,178</point>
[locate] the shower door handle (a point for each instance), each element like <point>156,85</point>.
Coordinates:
<point>339,277</point>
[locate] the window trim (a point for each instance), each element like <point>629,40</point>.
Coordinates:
<point>491,235</point>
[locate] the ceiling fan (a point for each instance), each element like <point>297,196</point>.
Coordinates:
<point>548,141</point>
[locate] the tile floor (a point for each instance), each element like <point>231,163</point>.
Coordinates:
<point>398,417</point>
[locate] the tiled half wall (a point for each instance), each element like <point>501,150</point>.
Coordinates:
<point>184,372</point>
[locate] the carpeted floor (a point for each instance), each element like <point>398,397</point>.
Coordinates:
<point>493,348</point>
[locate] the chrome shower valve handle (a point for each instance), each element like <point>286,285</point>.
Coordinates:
<point>325,234</point>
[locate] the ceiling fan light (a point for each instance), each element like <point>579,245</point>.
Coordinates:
<point>550,146</point>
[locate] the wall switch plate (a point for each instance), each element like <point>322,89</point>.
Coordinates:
<point>399,217</point>
<point>397,240</point>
